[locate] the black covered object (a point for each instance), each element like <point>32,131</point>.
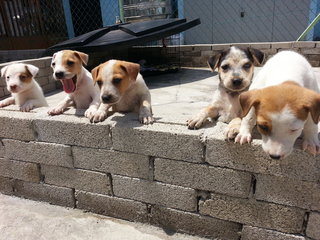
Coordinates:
<point>125,35</point>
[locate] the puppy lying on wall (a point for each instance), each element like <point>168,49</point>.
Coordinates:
<point>122,89</point>
<point>25,91</point>
<point>235,67</point>
<point>77,82</point>
<point>283,101</point>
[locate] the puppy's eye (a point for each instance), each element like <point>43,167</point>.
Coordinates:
<point>53,64</point>
<point>263,128</point>
<point>99,82</point>
<point>293,130</point>
<point>116,80</point>
<point>8,77</point>
<point>225,67</point>
<point>22,77</point>
<point>70,63</point>
<point>247,66</point>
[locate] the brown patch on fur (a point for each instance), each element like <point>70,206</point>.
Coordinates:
<point>75,57</point>
<point>127,72</point>
<point>26,76</point>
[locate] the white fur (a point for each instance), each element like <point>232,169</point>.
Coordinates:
<point>26,95</point>
<point>284,66</point>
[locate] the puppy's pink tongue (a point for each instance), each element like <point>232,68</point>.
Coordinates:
<point>68,85</point>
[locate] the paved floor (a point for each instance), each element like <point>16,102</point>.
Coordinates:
<point>22,219</point>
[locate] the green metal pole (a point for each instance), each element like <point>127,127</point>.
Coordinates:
<point>311,25</point>
<point>121,10</point>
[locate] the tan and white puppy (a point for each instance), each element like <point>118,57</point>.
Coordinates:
<point>123,89</point>
<point>77,82</point>
<point>283,101</point>
<point>25,91</point>
<point>235,67</point>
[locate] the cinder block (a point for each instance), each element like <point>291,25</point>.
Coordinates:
<point>44,192</point>
<point>128,164</point>
<point>42,80</point>
<point>289,192</point>
<point>40,62</point>
<point>47,61</point>
<point>310,51</point>
<point>2,151</point>
<point>72,130</point>
<point>254,213</point>
<point>49,87</point>
<point>202,47</point>
<point>281,45</point>
<point>220,47</point>
<point>261,45</point>
<point>16,125</point>
<point>6,185</point>
<point>192,54</point>
<point>299,165</point>
<point>154,193</point>
<point>19,170</point>
<point>46,153</point>
<point>44,72</point>
<point>254,233</point>
<point>313,227</point>
<point>76,178</point>
<point>194,224</point>
<point>202,177</point>
<point>160,140</point>
<point>112,206</point>
<point>304,44</point>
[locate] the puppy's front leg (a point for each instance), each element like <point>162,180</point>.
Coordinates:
<point>6,102</point>
<point>67,102</point>
<point>232,129</point>
<point>145,111</point>
<point>89,113</point>
<point>310,137</point>
<point>101,114</point>
<point>197,121</point>
<point>31,104</point>
<point>247,124</point>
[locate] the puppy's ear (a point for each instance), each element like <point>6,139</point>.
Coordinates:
<point>256,55</point>
<point>82,56</point>
<point>3,71</point>
<point>33,70</point>
<point>95,73</point>
<point>131,68</point>
<point>248,100</point>
<point>313,106</point>
<point>215,61</point>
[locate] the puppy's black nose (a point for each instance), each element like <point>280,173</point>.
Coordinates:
<point>59,74</point>
<point>276,157</point>
<point>236,81</point>
<point>13,87</point>
<point>106,98</point>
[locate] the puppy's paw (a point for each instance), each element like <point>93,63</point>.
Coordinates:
<point>3,103</point>
<point>27,107</point>
<point>89,113</point>
<point>196,122</point>
<point>243,138</point>
<point>231,132</point>
<point>146,118</point>
<point>311,145</point>
<point>98,116</point>
<point>55,111</point>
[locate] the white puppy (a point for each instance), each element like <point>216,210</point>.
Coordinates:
<point>25,91</point>
<point>77,82</point>
<point>283,101</point>
<point>122,89</point>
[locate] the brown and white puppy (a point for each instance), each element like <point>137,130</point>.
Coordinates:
<point>122,89</point>
<point>283,101</point>
<point>235,67</point>
<point>25,91</point>
<point>68,67</point>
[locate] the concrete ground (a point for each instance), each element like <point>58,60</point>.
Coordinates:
<point>22,219</point>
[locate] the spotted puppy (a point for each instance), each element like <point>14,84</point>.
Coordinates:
<point>122,90</point>
<point>25,91</point>
<point>283,101</point>
<point>68,67</point>
<point>235,67</point>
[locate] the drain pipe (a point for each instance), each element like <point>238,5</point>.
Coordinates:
<point>121,10</point>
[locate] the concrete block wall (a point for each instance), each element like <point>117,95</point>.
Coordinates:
<point>164,174</point>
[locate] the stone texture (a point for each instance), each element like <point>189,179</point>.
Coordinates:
<point>254,233</point>
<point>16,125</point>
<point>313,227</point>
<point>72,130</point>
<point>44,192</point>
<point>78,179</point>
<point>310,51</point>
<point>19,170</point>
<point>304,44</point>
<point>254,213</point>
<point>2,151</point>
<point>154,193</point>
<point>47,153</point>
<point>128,164</point>
<point>160,140</point>
<point>281,45</point>
<point>203,177</point>
<point>299,165</point>
<point>112,206</point>
<point>289,192</point>
<point>6,185</point>
<point>191,223</point>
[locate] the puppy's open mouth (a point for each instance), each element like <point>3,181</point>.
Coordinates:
<point>69,84</point>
